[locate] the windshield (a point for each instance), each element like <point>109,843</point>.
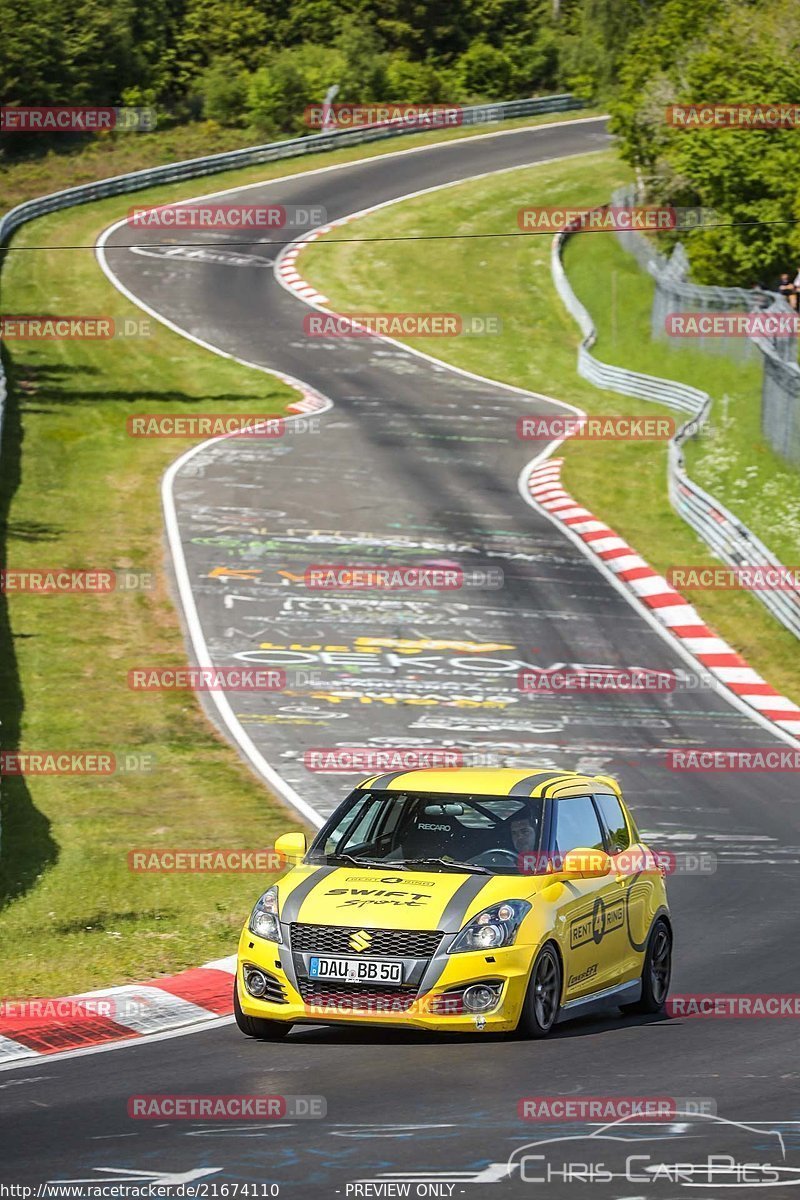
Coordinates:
<point>482,834</point>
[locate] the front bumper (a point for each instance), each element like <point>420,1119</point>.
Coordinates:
<point>401,1008</point>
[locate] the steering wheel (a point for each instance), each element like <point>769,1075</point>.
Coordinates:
<point>495,858</point>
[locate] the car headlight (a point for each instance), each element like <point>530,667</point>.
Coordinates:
<point>494,927</point>
<point>264,921</point>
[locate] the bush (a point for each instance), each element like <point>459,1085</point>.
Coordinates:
<point>484,73</point>
<point>412,82</point>
<point>223,90</point>
<point>276,98</point>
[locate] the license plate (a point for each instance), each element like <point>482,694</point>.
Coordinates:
<point>356,970</point>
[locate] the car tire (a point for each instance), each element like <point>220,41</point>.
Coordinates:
<point>543,997</point>
<point>258,1027</point>
<point>656,972</point>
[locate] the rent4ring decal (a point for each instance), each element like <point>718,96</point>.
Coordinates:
<point>604,919</point>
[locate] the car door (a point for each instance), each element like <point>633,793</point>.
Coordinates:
<point>592,911</point>
<point>636,879</point>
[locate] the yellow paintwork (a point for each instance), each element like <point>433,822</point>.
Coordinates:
<point>563,910</point>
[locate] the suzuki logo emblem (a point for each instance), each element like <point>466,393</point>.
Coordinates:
<point>361,940</point>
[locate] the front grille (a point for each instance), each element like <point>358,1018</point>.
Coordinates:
<point>386,943</point>
<point>343,998</point>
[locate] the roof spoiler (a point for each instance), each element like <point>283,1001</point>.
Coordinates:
<point>612,783</point>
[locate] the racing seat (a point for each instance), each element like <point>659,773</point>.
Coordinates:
<point>433,836</point>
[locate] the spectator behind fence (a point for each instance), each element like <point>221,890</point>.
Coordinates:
<point>787,290</point>
<point>760,296</point>
<point>797,287</point>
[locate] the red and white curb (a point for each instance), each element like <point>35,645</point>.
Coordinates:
<point>653,592</point>
<point>33,1028</point>
<point>286,268</point>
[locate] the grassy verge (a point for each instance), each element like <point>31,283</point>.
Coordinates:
<point>625,483</point>
<point>730,458</point>
<point>117,153</point>
<point>76,492</point>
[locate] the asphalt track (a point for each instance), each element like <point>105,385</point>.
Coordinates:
<point>418,464</point>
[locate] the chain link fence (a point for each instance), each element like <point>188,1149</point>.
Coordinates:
<point>780,388</point>
<point>722,532</point>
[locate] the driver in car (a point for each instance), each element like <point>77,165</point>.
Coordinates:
<point>524,831</point>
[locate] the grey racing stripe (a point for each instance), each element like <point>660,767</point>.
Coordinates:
<point>383,781</point>
<point>294,900</point>
<point>526,785</point>
<point>451,922</point>
<point>459,902</point>
<point>290,913</point>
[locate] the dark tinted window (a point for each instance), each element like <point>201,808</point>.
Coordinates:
<point>614,818</point>
<point>577,825</point>
<point>393,827</point>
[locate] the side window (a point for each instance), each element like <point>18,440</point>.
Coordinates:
<point>577,825</point>
<point>616,824</point>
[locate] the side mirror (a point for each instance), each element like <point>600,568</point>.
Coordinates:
<point>292,846</point>
<point>583,863</point>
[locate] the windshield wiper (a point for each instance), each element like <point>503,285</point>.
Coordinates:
<point>362,862</point>
<point>450,863</point>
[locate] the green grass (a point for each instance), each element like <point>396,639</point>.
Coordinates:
<point>76,491</point>
<point>623,482</point>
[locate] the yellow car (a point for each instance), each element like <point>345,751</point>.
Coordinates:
<point>460,900</point>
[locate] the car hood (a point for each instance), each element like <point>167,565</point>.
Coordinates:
<point>383,899</point>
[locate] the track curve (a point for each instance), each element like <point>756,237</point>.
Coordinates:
<point>416,463</point>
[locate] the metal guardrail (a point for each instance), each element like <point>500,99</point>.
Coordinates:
<point>476,114</point>
<point>722,532</point>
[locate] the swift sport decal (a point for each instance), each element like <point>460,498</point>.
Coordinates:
<point>359,897</point>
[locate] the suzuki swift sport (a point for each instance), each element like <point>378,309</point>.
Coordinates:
<point>460,900</point>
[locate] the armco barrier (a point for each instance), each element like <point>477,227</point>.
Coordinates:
<point>476,114</point>
<point>717,526</point>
